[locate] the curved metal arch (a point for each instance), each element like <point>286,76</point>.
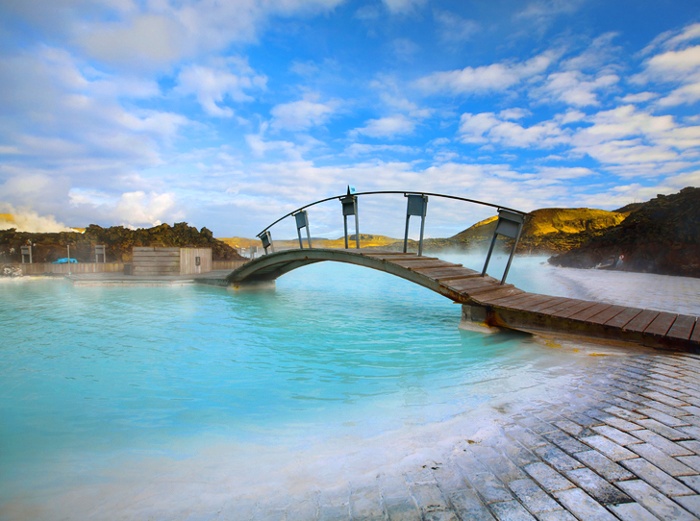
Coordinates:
<point>382,192</point>
<point>269,267</point>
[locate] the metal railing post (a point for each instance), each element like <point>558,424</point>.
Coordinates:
<point>302,220</point>
<point>417,204</point>
<point>510,224</point>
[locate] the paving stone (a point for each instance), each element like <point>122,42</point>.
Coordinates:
<point>597,487</point>
<point>632,512</point>
<point>557,458</point>
<point>657,478</point>
<point>664,418</point>
<point>569,427</point>
<point>624,413</point>
<point>693,445</point>
<point>671,411</point>
<point>557,515</point>
<point>429,498</point>
<point>666,431</point>
<point>691,503</point>
<point>533,497</point>
<point>662,460</point>
<point>669,447</point>
<point>691,409</point>
<point>516,452</point>
<point>490,488</point>
<point>588,418</point>
<point>525,436</point>
<point>654,501</point>
<point>566,442</point>
<point>504,468</point>
<point>692,400</point>
<point>604,466</point>
<point>616,435</point>
<point>547,477</point>
<point>691,461</point>
<point>536,425</point>
<point>511,511</point>
<point>583,506</point>
<point>468,504</point>
<point>692,481</point>
<point>664,398</point>
<point>611,449</point>
<point>691,432</point>
<point>623,425</point>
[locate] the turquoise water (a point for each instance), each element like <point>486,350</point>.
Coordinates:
<point>97,380</point>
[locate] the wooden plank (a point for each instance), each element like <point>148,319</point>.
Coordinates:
<point>695,336</point>
<point>445,273</point>
<point>682,328</point>
<point>562,304</point>
<point>622,319</point>
<point>548,304</point>
<point>532,299</point>
<point>471,283</point>
<point>507,300</point>
<point>577,308</point>
<point>415,265</point>
<point>661,324</point>
<point>641,321</point>
<point>501,291</point>
<point>603,316</point>
<point>588,313</point>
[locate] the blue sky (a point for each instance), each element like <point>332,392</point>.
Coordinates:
<point>228,114</point>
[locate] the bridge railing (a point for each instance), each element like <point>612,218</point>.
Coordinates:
<point>510,221</point>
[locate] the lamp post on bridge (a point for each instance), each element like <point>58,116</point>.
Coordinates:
<point>349,203</point>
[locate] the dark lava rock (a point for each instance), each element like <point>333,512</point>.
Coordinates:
<point>659,236</point>
<point>48,247</point>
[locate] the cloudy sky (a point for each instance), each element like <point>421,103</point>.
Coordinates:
<point>228,114</point>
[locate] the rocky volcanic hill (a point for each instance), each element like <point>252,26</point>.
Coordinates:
<point>659,236</point>
<point>119,241</point>
<point>549,230</point>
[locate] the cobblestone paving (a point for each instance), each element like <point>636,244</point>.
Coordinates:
<point>628,448</point>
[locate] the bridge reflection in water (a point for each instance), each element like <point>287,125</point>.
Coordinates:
<point>485,300</point>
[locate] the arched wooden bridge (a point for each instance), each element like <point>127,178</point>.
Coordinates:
<point>488,301</point>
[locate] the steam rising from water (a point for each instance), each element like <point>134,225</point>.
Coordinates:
<point>27,220</point>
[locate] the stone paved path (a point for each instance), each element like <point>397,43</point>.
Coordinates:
<point>628,449</point>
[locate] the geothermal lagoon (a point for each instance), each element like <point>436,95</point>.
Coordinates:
<point>130,402</point>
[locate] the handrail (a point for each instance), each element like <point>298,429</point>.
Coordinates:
<point>510,220</point>
<point>381,192</point>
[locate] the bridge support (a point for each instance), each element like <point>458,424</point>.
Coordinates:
<point>476,318</point>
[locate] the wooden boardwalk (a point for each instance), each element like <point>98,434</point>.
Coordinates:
<point>485,300</point>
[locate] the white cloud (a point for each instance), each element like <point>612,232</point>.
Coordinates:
<point>388,127</point>
<point>142,209</point>
<point>302,114</point>
<point>489,128</point>
<point>676,62</point>
<point>577,89</point>
<point>628,136</point>
<point>213,85</point>
<point>488,78</point>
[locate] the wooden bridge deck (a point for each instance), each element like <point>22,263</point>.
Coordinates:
<point>500,305</point>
